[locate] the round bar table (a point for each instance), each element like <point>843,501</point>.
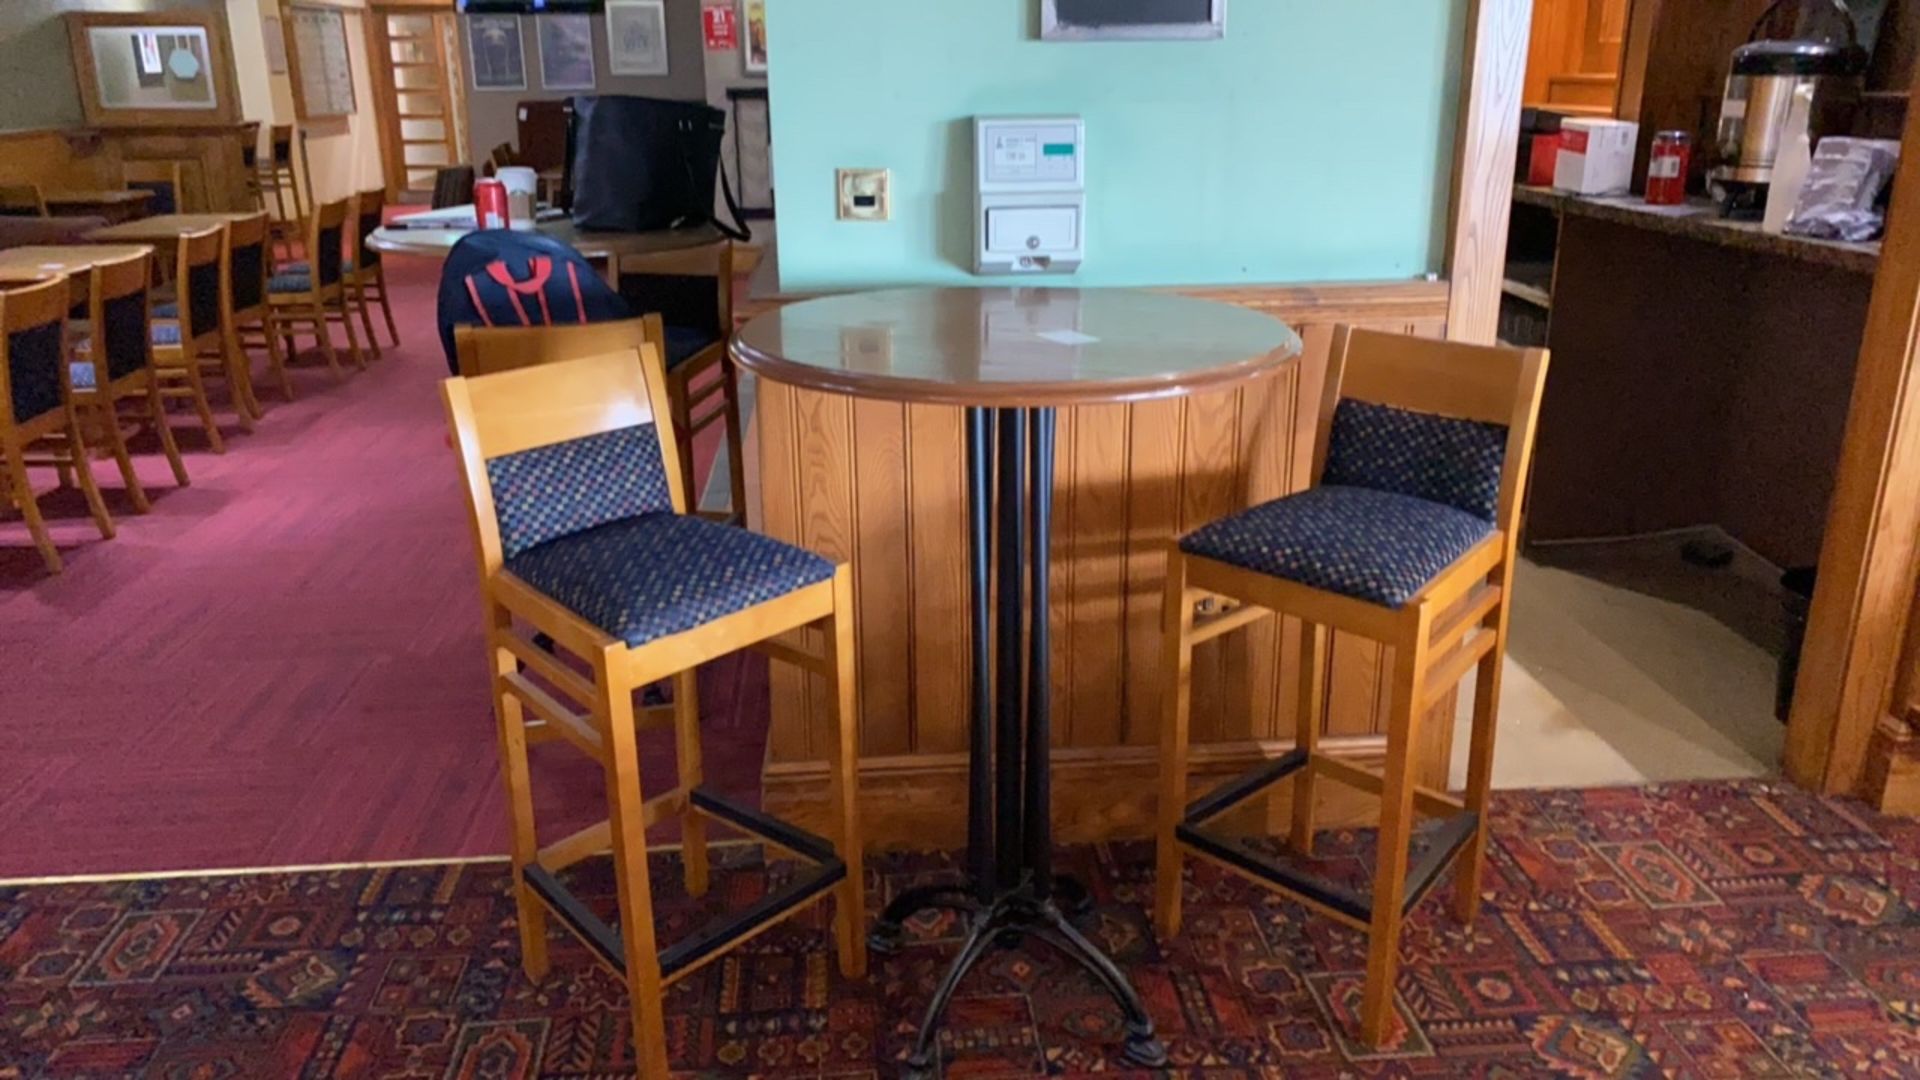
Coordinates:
<point>1010,357</point>
<point>610,246</point>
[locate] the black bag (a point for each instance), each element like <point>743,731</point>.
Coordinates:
<point>636,164</point>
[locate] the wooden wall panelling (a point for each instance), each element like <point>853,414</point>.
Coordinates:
<point>1128,478</point>
<point>1487,140</point>
<point>95,160</point>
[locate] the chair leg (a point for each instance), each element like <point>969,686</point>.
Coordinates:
<point>850,906</point>
<point>386,306</point>
<point>736,454</point>
<point>239,368</point>
<point>30,509</point>
<point>353,336</point>
<point>1396,828</point>
<point>524,843</point>
<point>277,358</point>
<point>1486,712</point>
<point>318,316</point>
<point>83,468</point>
<point>109,417</point>
<point>683,435</point>
<point>366,316</point>
<point>1309,714</point>
<point>197,387</point>
<point>627,818</point>
<point>157,416</point>
<point>686,734</point>
<point>1176,700</point>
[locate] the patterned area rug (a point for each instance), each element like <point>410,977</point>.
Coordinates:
<point>1699,930</point>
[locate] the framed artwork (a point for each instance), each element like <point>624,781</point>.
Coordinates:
<point>1132,20</point>
<point>753,44</point>
<point>319,63</point>
<point>566,51</point>
<point>637,37</point>
<point>167,69</point>
<point>498,55</point>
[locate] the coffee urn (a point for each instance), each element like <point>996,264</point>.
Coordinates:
<point>1755,112</point>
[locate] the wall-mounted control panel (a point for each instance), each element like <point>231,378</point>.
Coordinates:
<point>1030,195</point>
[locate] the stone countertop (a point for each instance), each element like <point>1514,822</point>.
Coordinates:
<point>1700,219</point>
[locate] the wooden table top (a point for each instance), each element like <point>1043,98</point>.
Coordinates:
<point>64,258</point>
<point>162,228</point>
<point>1013,347</point>
<point>594,245</point>
<point>108,197</point>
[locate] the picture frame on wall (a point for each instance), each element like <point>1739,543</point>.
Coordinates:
<point>147,69</point>
<point>753,37</point>
<point>566,51</point>
<point>637,37</point>
<point>496,53</point>
<point>1132,20</point>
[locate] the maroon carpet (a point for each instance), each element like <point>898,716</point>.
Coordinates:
<point>1716,930</point>
<point>282,664</point>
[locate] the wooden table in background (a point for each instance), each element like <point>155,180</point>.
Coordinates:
<point>73,259</point>
<point>161,230</point>
<point>114,205</point>
<point>598,246</point>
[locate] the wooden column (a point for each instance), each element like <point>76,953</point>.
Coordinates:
<point>1494,72</point>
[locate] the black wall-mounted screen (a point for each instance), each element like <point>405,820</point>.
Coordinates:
<point>1116,13</point>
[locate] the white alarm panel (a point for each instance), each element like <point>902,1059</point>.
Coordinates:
<point>1030,198</point>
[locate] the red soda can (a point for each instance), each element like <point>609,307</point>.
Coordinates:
<point>490,204</point>
<point>1667,168</point>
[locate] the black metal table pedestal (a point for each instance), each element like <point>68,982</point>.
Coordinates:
<point>1010,892</point>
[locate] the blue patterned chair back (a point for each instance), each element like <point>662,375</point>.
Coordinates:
<point>1441,459</point>
<point>248,265</point>
<point>557,490</point>
<point>33,321</point>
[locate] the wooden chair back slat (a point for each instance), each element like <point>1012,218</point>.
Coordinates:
<point>488,350</point>
<point>118,298</point>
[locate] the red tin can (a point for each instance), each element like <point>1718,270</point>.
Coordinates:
<point>490,204</point>
<point>1667,168</point>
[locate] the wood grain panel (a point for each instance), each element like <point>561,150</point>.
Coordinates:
<point>95,160</point>
<point>1487,140</point>
<point>1128,478</point>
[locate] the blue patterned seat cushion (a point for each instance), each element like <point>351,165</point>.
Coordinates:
<point>1441,459</point>
<point>1377,546</point>
<point>166,333</point>
<point>305,267</point>
<point>82,374</point>
<point>168,310</point>
<point>647,577</point>
<point>287,281</point>
<point>550,491</point>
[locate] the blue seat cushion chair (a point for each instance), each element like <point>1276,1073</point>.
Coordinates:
<point>304,267</point>
<point>1443,459</point>
<point>168,310</point>
<point>290,281</point>
<point>1378,546</point>
<point>685,341</point>
<point>648,577</point>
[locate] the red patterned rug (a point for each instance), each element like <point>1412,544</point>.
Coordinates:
<point>1691,930</point>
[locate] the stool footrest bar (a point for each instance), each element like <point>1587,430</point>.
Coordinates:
<point>1226,796</point>
<point>1442,845</point>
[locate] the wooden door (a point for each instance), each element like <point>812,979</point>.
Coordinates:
<point>1573,56</point>
<point>420,94</point>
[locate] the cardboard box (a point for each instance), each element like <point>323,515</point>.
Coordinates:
<point>1595,156</point>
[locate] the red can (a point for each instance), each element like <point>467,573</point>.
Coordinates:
<point>490,204</point>
<point>1667,168</point>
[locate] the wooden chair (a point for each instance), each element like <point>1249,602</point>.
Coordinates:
<point>191,330</point>
<point>1407,539</point>
<point>277,179</point>
<point>23,200</point>
<point>116,364</point>
<point>368,273</point>
<point>314,295</point>
<point>249,138</point>
<point>489,350</point>
<point>249,254</point>
<point>578,514</point>
<point>36,404</point>
<point>170,180</point>
<point>690,294</point>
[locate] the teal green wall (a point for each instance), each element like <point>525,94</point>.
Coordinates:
<point>1313,143</point>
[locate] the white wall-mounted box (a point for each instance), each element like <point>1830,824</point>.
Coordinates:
<point>1030,197</point>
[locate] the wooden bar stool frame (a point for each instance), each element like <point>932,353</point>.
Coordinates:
<point>180,368</point>
<point>513,411</point>
<point>721,394</point>
<point>1456,622</point>
<point>99,407</point>
<point>24,308</point>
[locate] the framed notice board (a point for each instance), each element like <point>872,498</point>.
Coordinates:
<point>1137,20</point>
<point>318,62</point>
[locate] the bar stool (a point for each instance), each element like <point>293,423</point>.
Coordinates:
<point>36,405</point>
<point>1407,539</point>
<point>689,294</point>
<point>579,517</point>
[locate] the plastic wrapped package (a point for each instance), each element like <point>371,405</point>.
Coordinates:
<point>1840,198</point>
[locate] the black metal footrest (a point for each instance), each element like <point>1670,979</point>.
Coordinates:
<point>1443,843</point>
<point>826,870</point>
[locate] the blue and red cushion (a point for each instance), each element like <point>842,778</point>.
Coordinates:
<point>647,577</point>
<point>1442,459</point>
<point>550,491</point>
<point>1379,546</point>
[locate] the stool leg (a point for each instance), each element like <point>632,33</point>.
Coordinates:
<point>386,308</point>
<point>1308,716</point>
<point>686,734</point>
<point>736,453</point>
<point>850,907</point>
<point>1396,827</point>
<point>523,840</point>
<point>157,416</point>
<point>627,816</point>
<point>30,508</point>
<point>1486,711</point>
<point>1177,707</point>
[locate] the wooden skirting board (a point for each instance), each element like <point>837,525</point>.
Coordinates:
<point>881,485</point>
